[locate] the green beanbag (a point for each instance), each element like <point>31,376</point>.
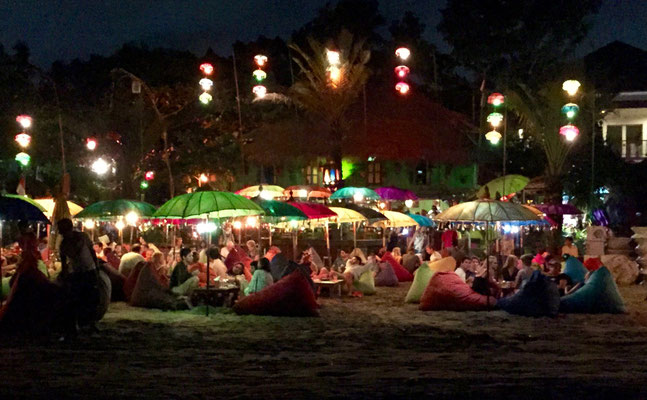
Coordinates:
<point>365,283</point>
<point>421,279</point>
<point>599,295</point>
<point>575,270</point>
<point>5,287</point>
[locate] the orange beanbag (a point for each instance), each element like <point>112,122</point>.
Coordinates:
<point>447,291</point>
<point>292,296</point>
<point>401,272</point>
<point>131,281</point>
<point>447,264</point>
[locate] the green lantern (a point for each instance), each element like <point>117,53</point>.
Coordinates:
<point>23,159</point>
<point>570,110</point>
<point>143,185</point>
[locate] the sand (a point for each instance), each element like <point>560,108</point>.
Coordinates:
<point>373,347</point>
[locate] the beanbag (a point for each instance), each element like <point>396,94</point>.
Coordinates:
<point>538,298</point>
<point>291,296</point>
<point>302,269</point>
<point>420,281</point>
<point>447,264</point>
<point>385,276</point>
<point>278,265</point>
<point>131,281</point>
<point>575,270</point>
<point>401,272</point>
<point>365,283</point>
<point>117,282</point>
<point>105,292</point>
<point>599,295</point>
<point>149,292</point>
<point>5,287</point>
<point>592,263</point>
<point>447,291</point>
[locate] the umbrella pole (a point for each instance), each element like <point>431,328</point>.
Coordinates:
<point>384,236</point>
<point>269,234</point>
<point>327,240</point>
<point>354,235</point>
<point>487,263</point>
<point>1,248</point>
<point>208,275</point>
<point>295,240</point>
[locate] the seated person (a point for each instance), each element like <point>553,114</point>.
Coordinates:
<point>261,277</point>
<point>217,267</point>
<point>358,252</point>
<point>430,254</point>
<point>526,271</point>
<point>486,284</point>
<point>410,261</point>
<point>510,270</point>
<point>252,250</point>
<point>237,273</point>
<point>111,258</point>
<point>182,281</point>
<point>464,270</point>
<point>397,254</point>
<point>229,246</point>
<point>354,269</point>
<point>130,259</point>
<point>340,263</point>
<point>564,284</point>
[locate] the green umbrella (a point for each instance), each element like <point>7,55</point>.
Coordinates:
<point>277,211</point>
<point>355,193</point>
<point>116,208</point>
<point>504,185</point>
<point>28,200</point>
<point>208,204</point>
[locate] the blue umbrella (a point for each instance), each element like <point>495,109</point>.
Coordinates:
<point>14,209</point>
<point>422,220</point>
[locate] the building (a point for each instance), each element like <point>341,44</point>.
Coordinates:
<point>624,127</point>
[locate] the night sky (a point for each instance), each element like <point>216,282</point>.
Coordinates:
<point>67,29</point>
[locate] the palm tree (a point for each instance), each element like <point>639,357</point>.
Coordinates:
<point>327,93</point>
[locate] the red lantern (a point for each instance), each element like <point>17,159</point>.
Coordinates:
<point>569,131</point>
<point>401,71</point>
<point>402,88</point>
<point>91,143</point>
<point>150,175</point>
<point>206,68</point>
<point>23,139</point>
<point>495,99</point>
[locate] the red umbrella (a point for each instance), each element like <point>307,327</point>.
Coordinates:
<point>313,210</point>
<point>557,209</point>
<point>310,191</point>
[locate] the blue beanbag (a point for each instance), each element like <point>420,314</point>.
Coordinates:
<point>575,270</point>
<point>599,295</point>
<point>538,298</point>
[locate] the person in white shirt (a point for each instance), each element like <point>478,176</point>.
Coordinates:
<point>130,260</point>
<point>569,248</point>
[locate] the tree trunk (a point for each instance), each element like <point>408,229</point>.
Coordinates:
<point>554,189</point>
<point>167,161</point>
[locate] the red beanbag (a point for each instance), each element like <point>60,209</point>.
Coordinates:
<point>292,296</point>
<point>447,291</point>
<point>131,281</point>
<point>592,264</point>
<point>401,272</point>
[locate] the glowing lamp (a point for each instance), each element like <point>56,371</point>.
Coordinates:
<point>293,224</point>
<point>265,195</point>
<point>303,193</point>
<point>206,83</point>
<point>23,159</point>
<point>23,139</point>
<point>206,68</point>
<point>132,218</point>
<point>495,119</point>
<point>88,224</point>
<point>143,185</point>
<point>205,98</point>
<point>260,60</point>
<point>206,227</point>
<point>495,99</point>
<point>238,224</point>
<point>260,91</point>
<point>408,203</point>
<point>251,222</point>
<point>358,197</point>
<point>100,166</point>
<point>91,144</point>
<point>259,75</point>
<point>382,205</point>
<point>402,87</point>
<point>333,57</point>
<point>493,137</point>
<point>334,73</point>
<point>571,87</point>
<point>403,53</point>
<point>149,175</point>
<point>204,178</point>
<point>401,71</point>
<point>570,110</point>
<point>24,121</point>
<point>569,131</point>
<point>120,225</point>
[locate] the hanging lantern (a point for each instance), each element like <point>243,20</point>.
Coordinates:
<point>403,53</point>
<point>495,119</point>
<point>569,131</point>
<point>91,143</point>
<point>24,121</point>
<point>493,137</point>
<point>570,110</point>
<point>402,87</point>
<point>206,84</point>
<point>143,185</point>
<point>408,203</point>
<point>401,71</point>
<point>333,57</point>
<point>23,139</point>
<point>334,74</point>
<point>260,60</point>
<point>149,175</point>
<point>206,68</point>
<point>205,98</point>
<point>496,99</point>
<point>571,86</point>
<point>260,91</point>
<point>259,75</point>
<point>23,159</point>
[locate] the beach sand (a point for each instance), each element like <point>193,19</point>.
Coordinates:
<point>371,347</point>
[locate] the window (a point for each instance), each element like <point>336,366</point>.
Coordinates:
<point>312,175</point>
<point>374,173</point>
<point>614,137</point>
<point>421,173</point>
<point>633,142</point>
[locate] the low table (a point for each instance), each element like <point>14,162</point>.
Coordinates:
<point>215,296</point>
<point>330,285</point>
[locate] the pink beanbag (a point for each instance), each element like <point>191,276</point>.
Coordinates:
<point>292,296</point>
<point>447,291</point>
<point>401,272</point>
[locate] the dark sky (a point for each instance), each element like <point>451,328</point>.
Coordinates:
<point>67,29</point>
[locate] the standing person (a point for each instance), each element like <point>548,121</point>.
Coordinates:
<point>80,276</point>
<point>449,239</point>
<point>420,241</point>
<point>569,248</point>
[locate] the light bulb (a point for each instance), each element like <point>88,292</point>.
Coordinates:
<point>132,218</point>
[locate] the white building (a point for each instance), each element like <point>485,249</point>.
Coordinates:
<point>625,127</point>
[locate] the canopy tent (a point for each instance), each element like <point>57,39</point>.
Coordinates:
<point>422,220</point>
<point>110,209</point>
<point>504,185</point>
<point>393,193</point>
<point>49,203</point>
<point>265,192</point>
<point>355,193</point>
<point>307,192</point>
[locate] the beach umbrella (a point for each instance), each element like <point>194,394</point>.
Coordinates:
<point>14,209</point>
<point>346,215</point>
<point>395,194</point>
<point>504,185</point>
<point>307,192</point>
<point>395,219</point>
<point>557,209</point>
<point>355,193</point>
<point>28,200</point>
<point>316,211</point>
<point>369,213</point>
<point>278,211</point>
<point>422,220</point>
<point>110,209</point>
<point>48,205</point>
<point>265,192</point>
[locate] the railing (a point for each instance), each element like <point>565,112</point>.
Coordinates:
<point>634,150</point>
